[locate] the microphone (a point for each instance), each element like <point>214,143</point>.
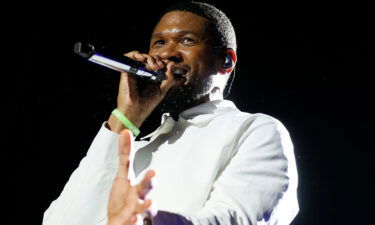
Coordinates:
<point>125,64</point>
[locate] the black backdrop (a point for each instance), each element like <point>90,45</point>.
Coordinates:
<point>309,65</point>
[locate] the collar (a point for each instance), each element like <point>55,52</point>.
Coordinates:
<point>199,115</point>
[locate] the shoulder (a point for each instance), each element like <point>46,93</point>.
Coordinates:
<point>231,111</point>
<point>262,132</point>
<point>246,125</point>
<point>251,122</point>
<point>267,123</point>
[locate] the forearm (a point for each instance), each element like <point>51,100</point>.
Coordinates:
<point>85,195</point>
<point>80,203</point>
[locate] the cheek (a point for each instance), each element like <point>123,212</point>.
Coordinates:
<point>195,58</point>
<point>192,59</point>
<point>186,53</point>
<point>153,52</point>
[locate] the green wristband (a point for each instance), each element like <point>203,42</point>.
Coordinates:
<point>126,122</point>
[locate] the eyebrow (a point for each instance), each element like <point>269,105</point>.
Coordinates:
<point>180,33</point>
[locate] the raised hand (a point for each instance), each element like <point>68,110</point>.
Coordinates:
<point>127,202</point>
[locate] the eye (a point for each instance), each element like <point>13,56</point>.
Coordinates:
<point>187,41</point>
<point>159,43</point>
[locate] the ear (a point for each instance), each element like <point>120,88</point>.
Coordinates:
<point>227,70</point>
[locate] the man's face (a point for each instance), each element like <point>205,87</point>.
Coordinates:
<point>182,37</point>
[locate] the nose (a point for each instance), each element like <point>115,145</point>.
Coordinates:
<point>171,53</point>
<point>176,59</point>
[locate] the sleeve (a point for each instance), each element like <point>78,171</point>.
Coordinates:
<point>258,186</point>
<point>84,198</point>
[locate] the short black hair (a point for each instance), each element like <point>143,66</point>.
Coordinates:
<point>219,24</point>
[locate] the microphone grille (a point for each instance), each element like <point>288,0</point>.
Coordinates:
<point>84,50</point>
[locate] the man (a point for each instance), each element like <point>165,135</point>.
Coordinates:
<point>212,163</point>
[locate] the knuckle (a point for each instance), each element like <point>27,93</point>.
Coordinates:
<point>150,58</point>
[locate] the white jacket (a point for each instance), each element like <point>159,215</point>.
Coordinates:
<point>216,165</point>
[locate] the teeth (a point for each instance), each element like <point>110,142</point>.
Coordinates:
<point>179,72</point>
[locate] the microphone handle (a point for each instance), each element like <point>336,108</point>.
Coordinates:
<point>125,64</point>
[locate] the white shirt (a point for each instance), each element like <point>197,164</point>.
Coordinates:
<point>216,165</point>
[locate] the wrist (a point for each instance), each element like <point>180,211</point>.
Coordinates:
<point>116,125</point>
<point>134,116</point>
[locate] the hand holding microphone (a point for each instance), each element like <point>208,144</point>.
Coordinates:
<point>134,102</point>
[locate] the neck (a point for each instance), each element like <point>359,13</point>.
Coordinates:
<point>176,111</point>
<point>215,94</point>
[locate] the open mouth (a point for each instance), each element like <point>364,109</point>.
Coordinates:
<point>180,72</point>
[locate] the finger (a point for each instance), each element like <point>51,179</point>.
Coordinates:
<point>170,80</point>
<point>144,207</point>
<point>154,62</point>
<point>160,62</point>
<point>136,55</point>
<point>125,145</point>
<point>146,184</point>
<point>151,62</point>
<point>149,209</point>
<point>166,61</point>
<point>134,219</point>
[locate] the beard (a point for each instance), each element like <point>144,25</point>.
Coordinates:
<point>186,96</point>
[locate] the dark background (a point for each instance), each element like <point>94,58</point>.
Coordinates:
<point>309,65</point>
